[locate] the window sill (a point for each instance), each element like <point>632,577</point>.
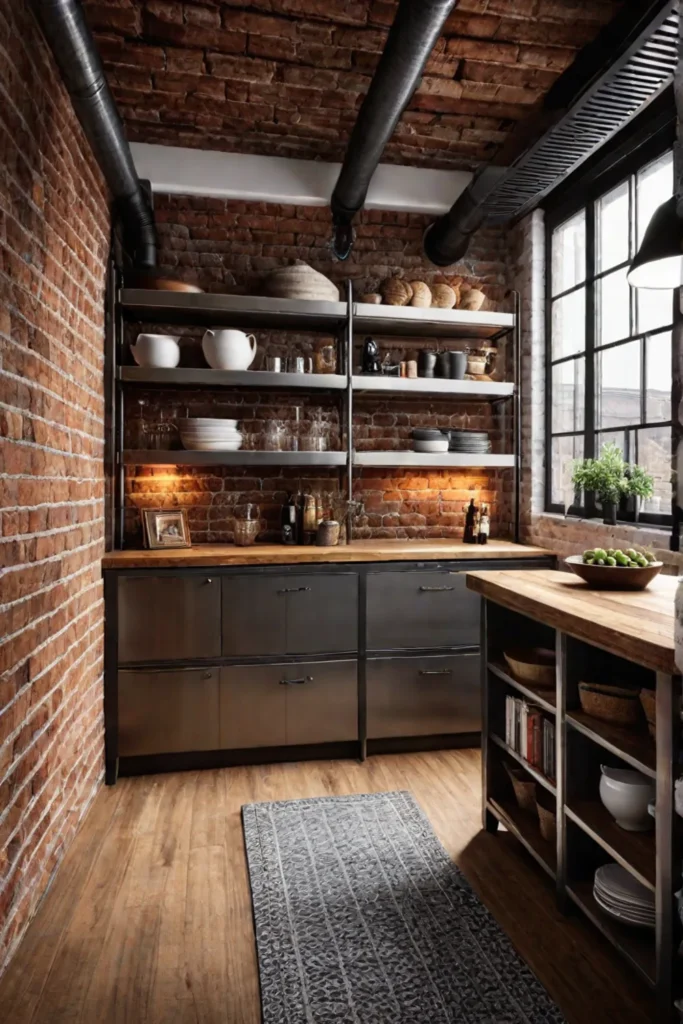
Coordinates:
<point>595,522</point>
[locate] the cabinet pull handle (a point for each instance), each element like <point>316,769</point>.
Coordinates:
<point>296,682</point>
<point>206,675</point>
<point>208,580</point>
<point>434,590</point>
<point>293,590</point>
<point>436,671</point>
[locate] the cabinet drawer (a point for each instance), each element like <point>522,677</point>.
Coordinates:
<point>164,618</point>
<point>168,711</point>
<point>277,705</point>
<point>290,614</point>
<point>421,609</point>
<point>427,696</point>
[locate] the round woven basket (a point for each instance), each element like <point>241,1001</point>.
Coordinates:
<point>547,820</point>
<point>610,703</point>
<point>649,705</point>
<point>524,787</point>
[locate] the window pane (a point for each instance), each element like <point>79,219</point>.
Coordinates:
<point>569,324</point>
<point>568,396</point>
<point>655,308</point>
<point>618,386</point>
<point>658,377</point>
<point>613,297</point>
<point>612,228</point>
<point>654,455</point>
<point>655,184</point>
<point>564,451</point>
<point>569,253</point>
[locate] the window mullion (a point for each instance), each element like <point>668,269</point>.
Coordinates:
<point>590,375</point>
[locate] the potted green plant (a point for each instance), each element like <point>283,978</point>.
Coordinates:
<point>605,476</point>
<point>639,486</point>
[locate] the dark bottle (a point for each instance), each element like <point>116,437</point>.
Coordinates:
<point>371,363</point>
<point>470,535</point>
<point>288,529</point>
<point>484,526</point>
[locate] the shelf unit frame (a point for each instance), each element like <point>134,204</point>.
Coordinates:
<point>655,959</point>
<point>338,318</point>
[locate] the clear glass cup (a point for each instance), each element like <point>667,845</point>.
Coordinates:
<point>246,531</point>
<point>275,438</point>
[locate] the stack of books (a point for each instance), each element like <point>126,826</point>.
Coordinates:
<point>529,733</point>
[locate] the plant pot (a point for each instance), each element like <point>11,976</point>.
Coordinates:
<point>609,513</point>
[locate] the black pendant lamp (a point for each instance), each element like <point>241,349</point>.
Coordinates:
<point>659,261</point>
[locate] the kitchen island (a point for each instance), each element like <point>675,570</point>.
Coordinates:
<point>611,637</point>
<point>219,655</point>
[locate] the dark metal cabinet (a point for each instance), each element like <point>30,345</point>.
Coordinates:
<point>420,610</point>
<point>279,705</point>
<point>168,618</point>
<point>168,711</point>
<point>314,613</point>
<point>423,696</point>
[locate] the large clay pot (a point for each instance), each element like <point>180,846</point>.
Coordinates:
<point>229,349</point>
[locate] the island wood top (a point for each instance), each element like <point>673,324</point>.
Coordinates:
<point>359,551</point>
<point>634,624</point>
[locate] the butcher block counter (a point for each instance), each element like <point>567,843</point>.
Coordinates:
<point>358,551</point>
<point>565,736</point>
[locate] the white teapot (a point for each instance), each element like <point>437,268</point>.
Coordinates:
<point>229,349</point>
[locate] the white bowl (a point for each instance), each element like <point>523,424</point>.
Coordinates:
<point>205,421</point>
<point>431,447</point>
<point>160,351</point>
<point>211,446</point>
<point>212,435</point>
<point>626,795</point>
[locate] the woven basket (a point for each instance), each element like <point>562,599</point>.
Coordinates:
<point>649,705</point>
<point>524,787</point>
<point>547,820</point>
<point>610,703</point>
<point>534,665</point>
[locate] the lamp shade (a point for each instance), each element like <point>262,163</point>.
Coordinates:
<point>659,261</point>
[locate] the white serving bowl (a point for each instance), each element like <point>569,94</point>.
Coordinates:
<point>160,351</point>
<point>205,422</point>
<point>212,435</point>
<point>626,795</point>
<point>431,447</point>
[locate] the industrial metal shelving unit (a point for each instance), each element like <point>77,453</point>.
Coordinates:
<point>340,319</point>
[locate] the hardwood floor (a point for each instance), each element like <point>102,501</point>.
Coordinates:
<point>149,918</point>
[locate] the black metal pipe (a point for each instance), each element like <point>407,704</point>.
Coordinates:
<point>446,240</point>
<point>416,27</point>
<point>66,32</point>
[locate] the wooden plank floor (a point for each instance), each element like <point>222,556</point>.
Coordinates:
<point>149,918</point>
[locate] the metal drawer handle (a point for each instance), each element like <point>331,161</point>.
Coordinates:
<point>434,590</point>
<point>207,675</point>
<point>436,671</point>
<point>293,590</point>
<point>296,682</point>
<point>208,580</point>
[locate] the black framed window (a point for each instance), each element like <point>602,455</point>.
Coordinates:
<point>608,346</point>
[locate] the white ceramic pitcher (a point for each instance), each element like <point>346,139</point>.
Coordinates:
<point>229,349</point>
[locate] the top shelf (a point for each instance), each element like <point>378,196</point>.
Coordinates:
<point>253,311</point>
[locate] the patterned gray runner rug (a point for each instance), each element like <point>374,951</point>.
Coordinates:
<point>362,918</point>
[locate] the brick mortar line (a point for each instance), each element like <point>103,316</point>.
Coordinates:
<point>53,531</point>
<point>34,446</point>
<point>50,504</point>
<point>44,591</point>
<point>34,622</point>
<point>27,414</point>
<point>47,561</point>
<point>49,363</point>
<point>52,366</point>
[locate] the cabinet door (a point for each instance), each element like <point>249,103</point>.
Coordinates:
<point>322,613</point>
<point>168,711</point>
<point>420,609</point>
<point>322,702</point>
<point>255,615</point>
<point>428,696</point>
<point>252,706</point>
<point>166,618</point>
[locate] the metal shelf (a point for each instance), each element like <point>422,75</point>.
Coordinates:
<point>472,389</point>
<point>410,321</point>
<point>238,458</point>
<point>216,310</point>
<point>201,376</point>
<point>445,460</point>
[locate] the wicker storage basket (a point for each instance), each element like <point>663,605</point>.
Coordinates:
<point>610,703</point>
<point>524,787</point>
<point>534,665</point>
<point>649,705</point>
<point>547,819</point>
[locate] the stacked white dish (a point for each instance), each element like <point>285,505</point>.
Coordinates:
<point>618,893</point>
<point>210,435</point>
<point>429,441</point>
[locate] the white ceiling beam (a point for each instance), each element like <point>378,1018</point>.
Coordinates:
<point>274,179</point>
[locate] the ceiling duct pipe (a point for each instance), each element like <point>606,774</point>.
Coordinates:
<point>415,29</point>
<point>68,36</point>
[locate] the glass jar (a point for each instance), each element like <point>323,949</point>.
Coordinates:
<point>325,358</point>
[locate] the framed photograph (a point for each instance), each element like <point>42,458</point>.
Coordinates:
<point>165,528</point>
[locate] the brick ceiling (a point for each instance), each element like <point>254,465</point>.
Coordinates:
<point>285,77</point>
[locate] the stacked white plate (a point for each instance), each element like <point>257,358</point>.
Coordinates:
<point>210,435</point>
<point>618,893</point>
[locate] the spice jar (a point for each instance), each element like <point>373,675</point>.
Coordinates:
<point>328,534</point>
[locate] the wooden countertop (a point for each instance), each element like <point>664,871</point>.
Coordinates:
<point>359,551</point>
<point>633,624</point>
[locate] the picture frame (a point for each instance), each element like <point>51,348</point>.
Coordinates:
<point>165,528</point>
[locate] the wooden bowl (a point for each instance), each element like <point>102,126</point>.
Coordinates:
<point>532,665</point>
<point>613,577</point>
<point>615,704</point>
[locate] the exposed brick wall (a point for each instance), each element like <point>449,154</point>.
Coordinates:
<point>53,242</point>
<point>229,246</point>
